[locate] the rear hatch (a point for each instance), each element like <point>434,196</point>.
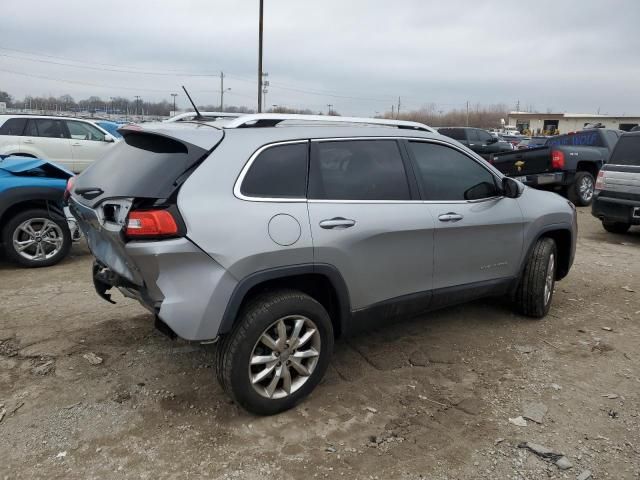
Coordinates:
<point>620,177</point>
<point>142,172</point>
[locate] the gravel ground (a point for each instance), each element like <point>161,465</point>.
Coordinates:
<point>429,398</point>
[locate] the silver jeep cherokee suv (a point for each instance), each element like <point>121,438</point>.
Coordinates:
<point>277,234</point>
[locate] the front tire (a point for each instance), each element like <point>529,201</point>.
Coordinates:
<point>616,227</point>
<point>580,192</point>
<point>35,238</point>
<point>535,290</point>
<point>277,352</point>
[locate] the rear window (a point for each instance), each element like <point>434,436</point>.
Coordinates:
<point>142,165</point>
<point>278,172</point>
<point>627,151</point>
<point>579,139</point>
<point>455,133</point>
<point>13,126</point>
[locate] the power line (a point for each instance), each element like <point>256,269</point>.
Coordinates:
<point>126,67</point>
<point>103,69</point>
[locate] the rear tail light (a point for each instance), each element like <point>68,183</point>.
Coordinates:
<point>151,223</point>
<point>69,187</point>
<point>557,160</point>
<point>600,180</point>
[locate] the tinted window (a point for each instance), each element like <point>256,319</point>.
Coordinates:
<point>587,138</point>
<point>627,151</point>
<point>472,135</point>
<point>455,133</point>
<point>31,130</point>
<point>84,131</point>
<point>279,171</point>
<point>447,174</point>
<point>13,126</point>
<point>50,128</point>
<point>358,170</point>
<point>483,136</point>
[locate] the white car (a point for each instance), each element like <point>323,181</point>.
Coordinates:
<point>71,142</point>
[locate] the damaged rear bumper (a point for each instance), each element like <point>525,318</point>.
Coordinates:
<point>182,285</point>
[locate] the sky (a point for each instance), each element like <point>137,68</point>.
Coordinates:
<point>577,56</point>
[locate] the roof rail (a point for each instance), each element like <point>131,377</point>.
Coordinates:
<point>272,119</point>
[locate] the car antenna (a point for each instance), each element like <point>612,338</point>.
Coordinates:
<point>198,116</point>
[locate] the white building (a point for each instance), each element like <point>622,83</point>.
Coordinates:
<point>538,123</point>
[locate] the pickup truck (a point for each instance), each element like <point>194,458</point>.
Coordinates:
<point>567,163</point>
<point>476,139</point>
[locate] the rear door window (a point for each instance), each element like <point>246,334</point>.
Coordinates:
<point>357,170</point>
<point>13,126</point>
<point>627,151</point>
<point>279,171</point>
<point>51,128</point>
<point>447,174</point>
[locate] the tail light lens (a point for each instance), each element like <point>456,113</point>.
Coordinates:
<point>557,160</point>
<point>600,180</point>
<point>69,187</point>
<point>151,223</point>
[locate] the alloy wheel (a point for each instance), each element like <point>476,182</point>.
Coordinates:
<point>548,283</point>
<point>586,188</point>
<point>38,239</point>
<point>284,357</point>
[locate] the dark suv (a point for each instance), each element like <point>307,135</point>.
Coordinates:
<point>617,194</point>
<point>478,140</point>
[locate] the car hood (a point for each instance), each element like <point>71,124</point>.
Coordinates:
<point>20,165</point>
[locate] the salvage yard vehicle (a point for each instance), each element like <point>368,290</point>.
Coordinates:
<point>617,193</point>
<point>478,140</point>
<point>71,142</point>
<point>279,233</point>
<point>567,163</point>
<point>33,226</point>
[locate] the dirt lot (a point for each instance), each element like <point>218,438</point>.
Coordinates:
<point>429,398</point>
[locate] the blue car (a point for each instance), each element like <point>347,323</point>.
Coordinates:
<point>34,230</point>
<point>111,127</point>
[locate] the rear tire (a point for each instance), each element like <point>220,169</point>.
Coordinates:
<point>580,192</point>
<point>616,227</point>
<point>35,238</point>
<point>263,364</point>
<point>535,290</point>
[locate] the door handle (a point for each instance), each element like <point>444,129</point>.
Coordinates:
<point>76,144</point>
<point>337,222</point>
<point>450,217</point>
<point>28,141</point>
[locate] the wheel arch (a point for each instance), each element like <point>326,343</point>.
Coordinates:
<point>19,199</point>
<point>562,236</point>
<point>323,282</point>
<point>589,166</point>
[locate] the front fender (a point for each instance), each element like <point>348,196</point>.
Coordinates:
<point>16,195</point>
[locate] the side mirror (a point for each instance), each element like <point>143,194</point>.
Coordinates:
<point>511,188</point>
<point>109,138</point>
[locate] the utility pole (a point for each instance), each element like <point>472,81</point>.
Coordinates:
<point>467,113</point>
<point>329,105</point>
<point>393,111</point>
<point>222,91</point>
<point>518,106</point>
<point>137,97</point>
<point>174,95</point>
<point>260,57</point>
<point>398,112</point>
